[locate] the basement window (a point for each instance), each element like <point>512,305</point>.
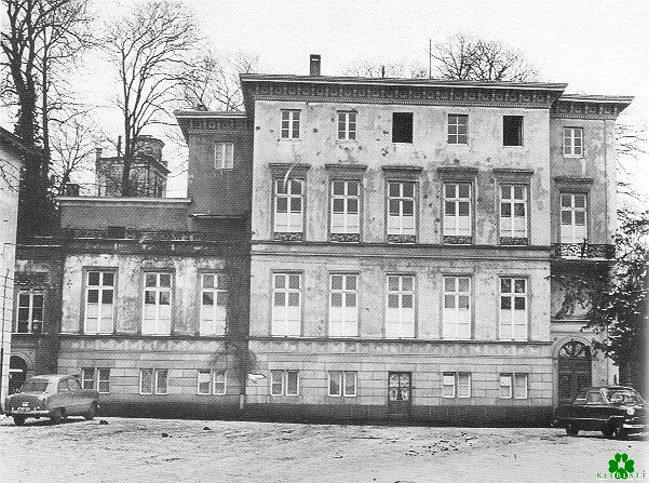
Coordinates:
<point>512,130</point>
<point>402,127</point>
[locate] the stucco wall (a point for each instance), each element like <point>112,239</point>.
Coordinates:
<point>318,145</point>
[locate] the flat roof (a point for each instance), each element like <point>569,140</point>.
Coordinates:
<point>185,113</point>
<point>121,200</point>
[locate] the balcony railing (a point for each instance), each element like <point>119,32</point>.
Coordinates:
<point>584,250</point>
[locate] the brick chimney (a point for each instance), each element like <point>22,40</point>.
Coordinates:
<point>314,64</point>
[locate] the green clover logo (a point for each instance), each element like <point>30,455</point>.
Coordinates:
<point>621,466</point>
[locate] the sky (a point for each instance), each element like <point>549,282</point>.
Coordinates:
<point>597,47</point>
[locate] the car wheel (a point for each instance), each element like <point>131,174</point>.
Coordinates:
<point>620,432</point>
<point>608,431</point>
<point>572,429</point>
<point>56,416</point>
<point>19,420</point>
<point>90,414</point>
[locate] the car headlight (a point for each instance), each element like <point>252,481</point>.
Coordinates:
<point>630,411</point>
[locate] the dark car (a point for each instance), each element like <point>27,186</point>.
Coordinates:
<point>52,396</point>
<point>615,411</point>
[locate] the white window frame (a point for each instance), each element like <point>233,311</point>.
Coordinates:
<point>343,319</point>
<point>100,380</point>
<point>456,321</point>
<point>216,376</point>
<point>223,155</point>
<point>284,374</point>
<point>400,321</point>
<point>85,379</point>
<point>453,128</point>
<point>345,222</point>
<point>160,324</point>
<point>200,372</point>
<point>213,317</point>
<point>449,377</point>
<point>512,226</point>
<point>31,294</point>
<point>573,233</point>
<point>343,383</point>
<point>513,321</point>
<point>455,377</point>
<point>570,136</point>
<point>401,223</point>
<point>290,124</point>
<point>513,393</point>
<point>291,221</point>
<point>157,373</point>
<point>456,224</point>
<point>102,288</point>
<point>347,125</point>
<point>152,372</point>
<point>286,320</point>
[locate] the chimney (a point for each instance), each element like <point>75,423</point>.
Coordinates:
<point>314,65</point>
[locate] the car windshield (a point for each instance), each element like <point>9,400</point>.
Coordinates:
<point>624,397</point>
<point>34,385</point>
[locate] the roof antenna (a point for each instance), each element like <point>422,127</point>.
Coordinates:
<point>382,71</point>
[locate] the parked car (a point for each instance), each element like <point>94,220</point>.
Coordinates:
<point>615,411</point>
<point>51,396</point>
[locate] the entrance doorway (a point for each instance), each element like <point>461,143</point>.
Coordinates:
<point>399,392</point>
<point>17,373</point>
<point>575,370</point>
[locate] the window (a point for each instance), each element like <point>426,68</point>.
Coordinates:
<point>346,125</point>
<point>512,130</point>
<point>513,385</point>
<point>153,381</point>
<point>401,212</point>
<point>29,318</point>
<point>157,304</point>
<point>100,295</point>
<point>342,383</point>
<point>456,384</point>
<point>214,302</point>
<point>290,124</point>
<point>223,155</point>
<point>574,228</point>
<point>343,305</point>
<point>400,313</point>
<point>594,397</point>
<point>287,304</point>
<point>457,213</point>
<point>513,308</point>
<point>573,142</point>
<point>288,206</point>
<point>402,127</point>
<point>103,380</point>
<point>457,129</point>
<point>88,378</point>
<point>211,382</point>
<point>457,308</point>
<point>284,383</point>
<point>513,214</point>
<point>345,210</point>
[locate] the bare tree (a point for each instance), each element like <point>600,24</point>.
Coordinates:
<point>43,40</point>
<point>149,48</point>
<point>73,150</point>
<point>630,147</point>
<point>213,80</point>
<point>375,68</point>
<point>466,58</point>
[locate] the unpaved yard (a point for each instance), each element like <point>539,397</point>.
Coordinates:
<point>136,450</point>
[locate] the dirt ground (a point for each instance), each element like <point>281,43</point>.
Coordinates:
<point>137,450</point>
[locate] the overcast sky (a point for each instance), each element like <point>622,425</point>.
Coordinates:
<point>597,47</point>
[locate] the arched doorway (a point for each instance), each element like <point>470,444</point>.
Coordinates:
<point>17,373</point>
<point>575,369</point>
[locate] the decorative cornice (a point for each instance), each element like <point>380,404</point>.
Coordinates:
<point>572,106</point>
<point>399,91</point>
<point>513,175</point>
<point>446,173</point>
<point>573,179</point>
<point>292,169</point>
<point>402,171</point>
<point>345,167</point>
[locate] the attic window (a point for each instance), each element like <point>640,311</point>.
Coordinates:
<point>512,130</point>
<point>402,127</point>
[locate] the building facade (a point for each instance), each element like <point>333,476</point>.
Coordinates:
<point>405,235</point>
<point>351,249</point>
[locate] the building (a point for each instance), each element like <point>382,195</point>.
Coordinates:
<point>148,173</point>
<point>351,249</point>
<point>404,237</point>
<point>12,153</point>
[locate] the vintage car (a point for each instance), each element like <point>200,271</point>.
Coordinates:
<point>51,396</point>
<point>615,411</point>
